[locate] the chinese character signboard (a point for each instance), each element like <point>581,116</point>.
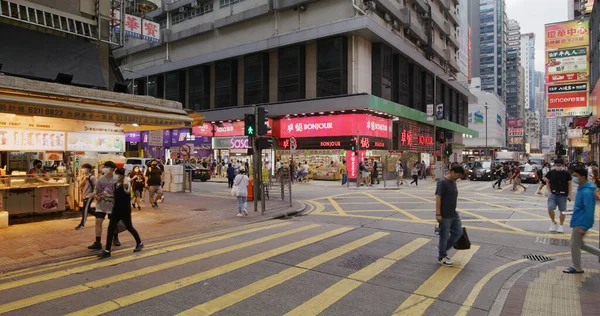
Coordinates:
<point>567,61</point>
<point>133,26</point>
<point>567,65</point>
<point>334,125</point>
<point>515,132</point>
<point>515,122</point>
<point>415,137</point>
<point>567,34</point>
<point>568,100</point>
<point>579,142</point>
<point>151,31</point>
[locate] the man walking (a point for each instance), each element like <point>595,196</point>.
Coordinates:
<point>344,172</point>
<point>154,174</point>
<point>446,197</point>
<point>87,183</point>
<point>559,184</point>
<point>500,175</point>
<point>517,179</point>
<point>583,219</point>
<point>104,195</point>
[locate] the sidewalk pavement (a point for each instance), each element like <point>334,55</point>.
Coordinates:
<point>181,214</point>
<point>544,289</point>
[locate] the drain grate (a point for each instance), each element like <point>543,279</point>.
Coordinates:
<point>358,262</point>
<point>539,258</point>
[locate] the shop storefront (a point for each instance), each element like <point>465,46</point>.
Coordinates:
<point>414,143</point>
<point>41,124</point>
<point>324,142</point>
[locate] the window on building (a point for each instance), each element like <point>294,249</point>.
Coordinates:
<point>190,13</point>
<point>225,3</point>
<point>175,86</point>
<point>382,71</point>
<point>332,66</point>
<point>256,78</point>
<point>428,88</point>
<point>139,86</point>
<point>416,87</point>
<point>199,78</point>
<point>156,86</point>
<point>226,83</point>
<point>403,80</point>
<point>291,73</point>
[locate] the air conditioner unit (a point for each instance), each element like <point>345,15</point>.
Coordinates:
<point>396,25</point>
<point>195,4</point>
<point>387,17</point>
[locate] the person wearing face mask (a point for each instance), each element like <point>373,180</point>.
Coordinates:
<point>105,200</point>
<point>560,187</point>
<point>121,212</point>
<point>137,182</point>
<point>582,219</point>
<point>87,183</point>
<point>446,197</point>
<point>37,168</point>
<point>154,174</point>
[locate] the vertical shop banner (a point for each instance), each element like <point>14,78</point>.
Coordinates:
<point>567,65</point>
<point>155,138</point>
<point>353,161</point>
<point>166,138</point>
<point>49,199</point>
<point>568,100</point>
<point>567,34</point>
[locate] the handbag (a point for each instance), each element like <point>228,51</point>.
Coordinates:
<point>235,189</point>
<point>120,227</point>
<point>463,243</point>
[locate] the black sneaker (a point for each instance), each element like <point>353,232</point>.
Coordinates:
<point>79,227</point>
<point>95,246</point>
<point>155,204</point>
<point>139,247</point>
<point>116,242</point>
<point>104,254</point>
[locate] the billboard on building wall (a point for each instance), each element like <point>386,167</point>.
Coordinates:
<point>514,122</point>
<point>567,46</point>
<point>567,65</point>
<point>589,5</point>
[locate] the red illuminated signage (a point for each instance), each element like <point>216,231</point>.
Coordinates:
<point>334,125</point>
<point>407,137</point>
<point>352,162</point>
<point>333,144</point>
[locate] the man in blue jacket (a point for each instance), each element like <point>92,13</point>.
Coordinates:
<point>583,218</point>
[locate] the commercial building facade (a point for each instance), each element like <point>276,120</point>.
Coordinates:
<point>527,47</point>
<point>383,59</point>
<point>493,41</point>
<point>513,72</point>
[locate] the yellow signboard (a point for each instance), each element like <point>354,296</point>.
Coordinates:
<point>86,115</point>
<point>567,34</point>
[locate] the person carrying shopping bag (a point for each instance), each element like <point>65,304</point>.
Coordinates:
<point>240,191</point>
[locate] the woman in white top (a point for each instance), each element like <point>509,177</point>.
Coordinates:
<point>240,185</point>
<point>400,173</point>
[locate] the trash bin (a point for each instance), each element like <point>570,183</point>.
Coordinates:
<point>250,190</point>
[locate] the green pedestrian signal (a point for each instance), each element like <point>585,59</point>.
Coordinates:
<point>249,125</point>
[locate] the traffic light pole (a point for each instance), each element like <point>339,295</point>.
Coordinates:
<point>256,164</point>
<point>357,153</point>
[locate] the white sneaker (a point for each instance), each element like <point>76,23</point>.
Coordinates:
<point>553,228</point>
<point>446,262</point>
<point>245,212</point>
<point>240,215</point>
<point>560,229</point>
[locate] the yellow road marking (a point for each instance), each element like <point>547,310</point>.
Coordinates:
<point>334,293</point>
<point>425,295</point>
<point>141,272</point>
<point>508,208</point>
<point>493,222</point>
<point>199,277</point>
<point>255,288</point>
<point>51,266</point>
<point>101,264</point>
<point>369,211</point>
<point>336,206</point>
<point>392,206</point>
<point>467,186</point>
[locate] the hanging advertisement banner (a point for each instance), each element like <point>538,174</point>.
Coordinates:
<point>567,34</point>
<point>133,26</point>
<point>574,133</point>
<point>514,122</point>
<point>568,100</point>
<point>512,132</point>
<point>567,65</point>
<point>579,142</point>
<point>151,31</point>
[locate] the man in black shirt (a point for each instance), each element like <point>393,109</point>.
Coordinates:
<point>559,184</point>
<point>154,174</point>
<point>446,197</point>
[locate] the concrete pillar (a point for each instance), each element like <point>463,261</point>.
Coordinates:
<point>359,65</point>
<point>240,77</point>
<point>212,85</point>
<point>273,75</point>
<point>311,70</point>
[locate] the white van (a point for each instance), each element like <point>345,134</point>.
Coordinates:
<point>141,162</point>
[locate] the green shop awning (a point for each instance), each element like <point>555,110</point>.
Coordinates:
<point>381,105</point>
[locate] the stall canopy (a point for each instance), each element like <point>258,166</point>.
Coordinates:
<point>36,98</point>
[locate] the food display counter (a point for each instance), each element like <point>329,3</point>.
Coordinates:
<point>30,193</point>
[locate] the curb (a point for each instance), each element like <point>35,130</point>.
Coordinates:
<point>291,213</point>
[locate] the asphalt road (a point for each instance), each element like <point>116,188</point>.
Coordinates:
<point>354,252</point>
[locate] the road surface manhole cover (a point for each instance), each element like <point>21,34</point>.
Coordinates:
<point>539,258</point>
<point>199,210</point>
<point>358,262</point>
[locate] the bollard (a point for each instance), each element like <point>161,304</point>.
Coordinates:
<point>250,189</point>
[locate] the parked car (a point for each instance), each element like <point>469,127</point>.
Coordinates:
<point>198,172</point>
<point>529,173</point>
<point>482,170</point>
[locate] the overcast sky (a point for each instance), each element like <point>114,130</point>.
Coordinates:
<point>532,15</point>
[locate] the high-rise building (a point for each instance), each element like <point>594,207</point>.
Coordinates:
<point>474,20</point>
<point>528,64</point>
<point>464,39</point>
<point>513,71</point>
<point>493,38</point>
<point>579,8</point>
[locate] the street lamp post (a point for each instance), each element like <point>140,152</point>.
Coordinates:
<point>486,128</point>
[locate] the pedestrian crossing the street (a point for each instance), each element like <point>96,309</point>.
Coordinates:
<point>256,269</point>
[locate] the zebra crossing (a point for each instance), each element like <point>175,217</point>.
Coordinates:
<point>270,268</point>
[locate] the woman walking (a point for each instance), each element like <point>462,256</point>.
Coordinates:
<point>414,172</point>
<point>138,183</point>
<point>240,190</point>
<point>399,173</point>
<point>230,175</point>
<point>121,212</point>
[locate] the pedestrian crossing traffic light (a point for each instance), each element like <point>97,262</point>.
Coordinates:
<point>263,121</point>
<point>249,125</point>
<point>448,151</point>
<point>354,145</point>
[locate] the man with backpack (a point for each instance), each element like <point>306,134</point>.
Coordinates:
<point>559,183</point>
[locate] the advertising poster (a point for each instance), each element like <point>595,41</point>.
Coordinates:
<point>95,142</point>
<point>17,139</point>
<point>155,138</point>
<point>567,34</point>
<point>568,100</point>
<point>567,65</point>
<point>49,199</point>
<point>514,122</point>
